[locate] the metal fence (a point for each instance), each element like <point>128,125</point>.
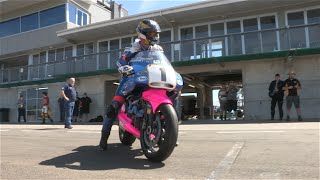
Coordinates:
<point>253,42</point>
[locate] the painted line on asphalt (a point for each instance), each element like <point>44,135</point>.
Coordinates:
<point>33,130</point>
<point>244,132</point>
<point>267,175</point>
<point>4,129</point>
<point>87,132</point>
<point>227,162</point>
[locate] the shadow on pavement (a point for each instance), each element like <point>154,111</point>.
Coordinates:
<point>47,129</point>
<point>91,158</point>
<point>241,121</point>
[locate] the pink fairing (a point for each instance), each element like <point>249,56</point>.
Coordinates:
<point>127,124</point>
<point>156,97</point>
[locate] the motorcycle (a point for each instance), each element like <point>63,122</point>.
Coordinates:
<point>148,113</point>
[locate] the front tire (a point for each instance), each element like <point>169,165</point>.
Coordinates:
<point>167,121</point>
<point>126,138</point>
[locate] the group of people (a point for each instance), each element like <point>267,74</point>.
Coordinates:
<point>291,89</point>
<point>81,108</point>
<point>228,100</point>
<point>70,104</point>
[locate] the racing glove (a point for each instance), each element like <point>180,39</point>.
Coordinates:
<point>126,70</point>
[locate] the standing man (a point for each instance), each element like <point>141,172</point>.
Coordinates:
<point>85,109</point>
<point>276,93</point>
<point>69,94</point>
<point>21,108</point>
<point>292,87</point>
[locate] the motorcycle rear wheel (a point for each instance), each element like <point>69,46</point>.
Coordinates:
<point>162,149</point>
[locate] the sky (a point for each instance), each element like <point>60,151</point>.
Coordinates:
<point>141,6</point>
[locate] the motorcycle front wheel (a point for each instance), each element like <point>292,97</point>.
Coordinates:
<point>159,137</point>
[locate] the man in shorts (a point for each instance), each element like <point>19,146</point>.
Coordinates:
<point>292,87</point>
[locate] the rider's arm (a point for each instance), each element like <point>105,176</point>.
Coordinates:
<point>128,54</point>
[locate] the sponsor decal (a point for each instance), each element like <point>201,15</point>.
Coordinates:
<point>142,72</point>
<point>156,61</point>
<point>142,78</point>
<point>179,82</point>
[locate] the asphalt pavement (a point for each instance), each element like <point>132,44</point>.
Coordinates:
<point>207,150</point>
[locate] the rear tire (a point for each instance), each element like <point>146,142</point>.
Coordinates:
<point>168,136</point>
<point>126,138</point>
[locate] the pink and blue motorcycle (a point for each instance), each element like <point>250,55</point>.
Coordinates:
<point>148,113</point>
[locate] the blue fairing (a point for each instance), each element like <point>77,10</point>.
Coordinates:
<point>141,77</point>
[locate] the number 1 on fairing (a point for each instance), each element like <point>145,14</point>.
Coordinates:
<point>163,74</point>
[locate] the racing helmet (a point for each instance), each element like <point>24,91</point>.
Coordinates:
<point>148,31</point>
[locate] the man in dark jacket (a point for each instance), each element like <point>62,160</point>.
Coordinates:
<point>276,93</point>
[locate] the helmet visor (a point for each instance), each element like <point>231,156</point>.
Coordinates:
<point>153,36</point>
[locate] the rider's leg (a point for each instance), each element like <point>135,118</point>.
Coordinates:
<point>111,114</point>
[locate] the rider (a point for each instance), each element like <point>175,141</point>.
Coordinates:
<point>148,35</point>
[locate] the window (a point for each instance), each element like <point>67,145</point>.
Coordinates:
<point>125,42</point>
<point>251,40</point>
<point>234,41</point>
<point>60,55</point>
<point>295,18</point>
<point>51,55</point>
<point>202,46</point>
<point>187,47</point>
<point>217,44</point>
<point>53,16</point>
<point>314,31</point>
<point>80,50</point>
<point>89,48</point>
<point>296,38</point>
<point>35,68</point>
<point>268,38</point>
<point>165,36</point>
<point>68,52</point>
<point>103,57</point>
<point>77,15</point>
<point>30,22</point>
<point>10,27</point>
<point>114,55</point>
<point>85,19</point>
<point>79,21</point>
<point>72,14</point>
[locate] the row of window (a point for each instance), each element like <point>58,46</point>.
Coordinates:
<point>44,18</point>
<point>33,21</point>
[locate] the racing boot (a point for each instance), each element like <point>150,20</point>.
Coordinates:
<point>107,124</point>
<point>103,145</point>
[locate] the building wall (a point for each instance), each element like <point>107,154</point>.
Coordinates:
<point>99,14</point>
<point>257,76</point>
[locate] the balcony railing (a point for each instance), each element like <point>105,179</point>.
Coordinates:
<point>304,36</point>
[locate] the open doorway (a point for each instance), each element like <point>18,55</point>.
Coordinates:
<point>200,95</point>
